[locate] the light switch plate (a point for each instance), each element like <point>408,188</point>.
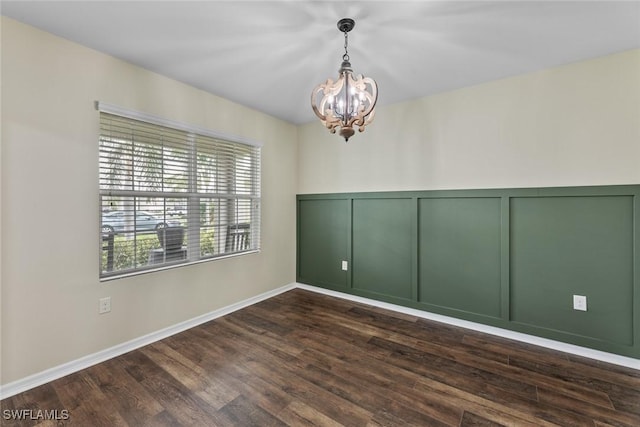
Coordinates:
<point>345,266</point>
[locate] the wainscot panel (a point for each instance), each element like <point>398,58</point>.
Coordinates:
<point>511,258</point>
<point>459,245</point>
<point>565,246</point>
<point>382,236</point>
<point>323,227</point>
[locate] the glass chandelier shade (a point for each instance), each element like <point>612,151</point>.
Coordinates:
<point>349,101</point>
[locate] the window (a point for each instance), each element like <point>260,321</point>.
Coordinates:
<point>172,194</point>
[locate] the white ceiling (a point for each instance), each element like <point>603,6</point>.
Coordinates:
<point>270,54</point>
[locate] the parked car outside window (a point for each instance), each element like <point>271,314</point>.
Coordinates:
<point>118,221</point>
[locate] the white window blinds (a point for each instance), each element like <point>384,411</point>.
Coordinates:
<point>171,196</point>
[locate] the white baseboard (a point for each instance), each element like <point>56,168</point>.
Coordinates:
<point>517,336</point>
<point>65,369</point>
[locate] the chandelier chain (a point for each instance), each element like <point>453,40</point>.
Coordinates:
<point>345,57</point>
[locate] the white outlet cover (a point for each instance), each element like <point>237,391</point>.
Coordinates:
<point>580,302</point>
<point>345,265</point>
<point>105,305</point>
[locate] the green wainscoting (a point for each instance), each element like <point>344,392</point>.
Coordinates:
<point>460,254</point>
<point>561,246</point>
<point>511,258</point>
<point>323,230</point>
<point>381,258</point>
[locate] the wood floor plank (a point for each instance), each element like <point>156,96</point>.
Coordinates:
<point>306,359</point>
<point>376,401</point>
<point>611,416</point>
<point>232,375</point>
<point>453,373</point>
<point>380,377</point>
<point>264,394</point>
<point>86,402</point>
<point>488,362</point>
<point>427,332</point>
<point>243,412</point>
<point>245,382</point>
<point>129,398</point>
<point>625,397</point>
<point>161,419</point>
<point>484,406</point>
<point>607,370</point>
<point>472,420</point>
<point>329,404</point>
<point>187,408</point>
<point>300,414</point>
<point>419,328</point>
<point>579,371</point>
<point>192,376</point>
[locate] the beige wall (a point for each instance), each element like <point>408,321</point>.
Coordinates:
<point>573,125</point>
<point>50,286</point>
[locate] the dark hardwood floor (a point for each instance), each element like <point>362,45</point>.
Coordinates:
<point>303,358</point>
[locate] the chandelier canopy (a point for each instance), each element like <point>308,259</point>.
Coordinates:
<point>349,101</point>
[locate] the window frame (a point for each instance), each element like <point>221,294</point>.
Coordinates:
<point>193,196</point>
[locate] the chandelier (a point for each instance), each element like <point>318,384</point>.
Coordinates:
<point>349,101</point>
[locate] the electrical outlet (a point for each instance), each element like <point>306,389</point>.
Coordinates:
<point>580,302</point>
<point>105,305</point>
<point>345,266</point>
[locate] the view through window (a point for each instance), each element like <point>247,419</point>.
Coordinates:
<point>173,196</point>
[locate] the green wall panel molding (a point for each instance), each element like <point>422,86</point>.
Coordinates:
<point>511,258</point>
<point>460,254</point>
<point>323,227</point>
<point>565,246</point>
<point>382,235</point>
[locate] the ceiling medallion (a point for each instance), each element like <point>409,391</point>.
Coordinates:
<point>349,101</point>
